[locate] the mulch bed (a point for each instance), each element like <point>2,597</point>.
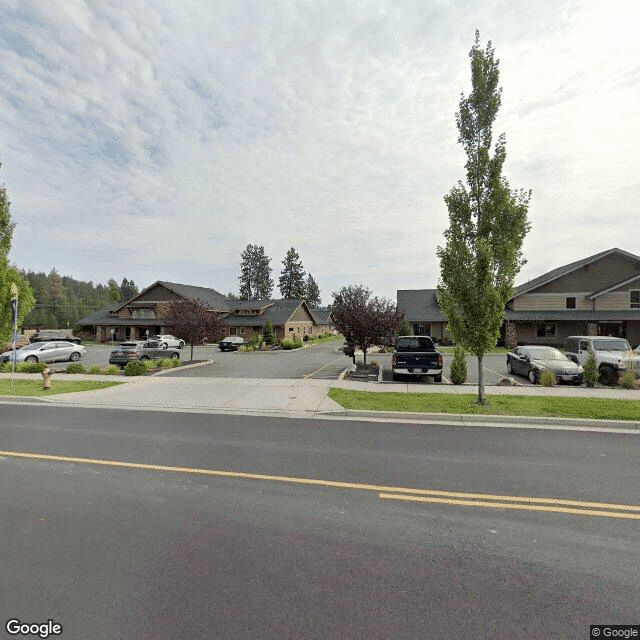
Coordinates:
<point>368,373</point>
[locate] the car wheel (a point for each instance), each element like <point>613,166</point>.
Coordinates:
<point>74,357</point>
<point>534,376</point>
<point>175,355</point>
<point>31,359</point>
<point>144,357</point>
<point>607,375</point>
<point>509,367</point>
<point>437,378</point>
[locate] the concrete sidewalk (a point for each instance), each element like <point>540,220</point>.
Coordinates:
<point>305,398</point>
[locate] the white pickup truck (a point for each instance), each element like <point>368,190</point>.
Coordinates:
<point>613,355</point>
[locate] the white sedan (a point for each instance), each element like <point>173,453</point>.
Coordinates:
<point>168,341</point>
<point>46,352</point>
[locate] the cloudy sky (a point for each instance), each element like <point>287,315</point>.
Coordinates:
<point>154,139</point>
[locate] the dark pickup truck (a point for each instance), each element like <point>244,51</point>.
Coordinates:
<point>416,356</point>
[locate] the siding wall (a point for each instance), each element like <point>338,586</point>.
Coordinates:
<point>552,301</point>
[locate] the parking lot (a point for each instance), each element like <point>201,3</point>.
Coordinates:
<point>324,361</point>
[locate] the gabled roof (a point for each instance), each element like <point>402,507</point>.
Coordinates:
<point>420,304</point>
<point>102,316</point>
<point>613,287</point>
<point>279,312</point>
<point>554,274</point>
<point>212,298</point>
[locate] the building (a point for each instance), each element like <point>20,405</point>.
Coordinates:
<point>143,314</point>
<point>598,295</point>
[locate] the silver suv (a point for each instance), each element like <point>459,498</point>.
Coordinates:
<point>613,355</point>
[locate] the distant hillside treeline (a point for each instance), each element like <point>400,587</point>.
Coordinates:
<point>61,301</point>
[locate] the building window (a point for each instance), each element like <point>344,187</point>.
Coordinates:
<point>241,330</point>
<point>634,299</point>
<point>232,331</point>
<point>290,328</point>
<point>143,313</point>
<point>546,330</point>
<point>570,302</point>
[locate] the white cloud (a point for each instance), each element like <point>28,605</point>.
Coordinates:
<point>153,140</point>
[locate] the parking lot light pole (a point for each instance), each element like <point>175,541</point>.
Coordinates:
<point>14,313</point>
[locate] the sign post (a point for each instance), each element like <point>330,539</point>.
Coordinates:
<point>14,317</point>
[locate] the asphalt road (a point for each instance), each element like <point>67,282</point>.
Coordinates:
<point>150,552</point>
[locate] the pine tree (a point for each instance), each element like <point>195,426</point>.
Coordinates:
<point>291,282</point>
<point>312,292</point>
<point>487,223</point>
<point>128,289</point>
<point>255,274</point>
<point>115,294</point>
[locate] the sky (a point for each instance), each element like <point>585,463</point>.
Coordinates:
<point>153,139</point>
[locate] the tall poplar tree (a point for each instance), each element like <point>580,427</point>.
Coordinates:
<point>487,222</point>
<point>255,274</point>
<point>291,281</point>
<point>10,275</point>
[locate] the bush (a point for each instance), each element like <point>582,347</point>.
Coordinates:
<point>269,333</point>
<point>459,366</point>
<point>548,378</point>
<point>151,364</point>
<point>628,380</point>
<point>30,367</point>
<point>135,368</point>
<point>93,369</point>
<point>591,373</point>
<point>406,329</point>
<point>7,367</point>
<point>77,367</point>
<point>112,370</point>
<point>291,343</point>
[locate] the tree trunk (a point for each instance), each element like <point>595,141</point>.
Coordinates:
<point>482,399</point>
<point>364,353</point>
<point>192,352</point>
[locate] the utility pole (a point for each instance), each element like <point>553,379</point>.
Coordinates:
<point>14,317</point>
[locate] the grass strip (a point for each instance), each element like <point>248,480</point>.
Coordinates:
<point>521,405</point>
<point>34,387</point>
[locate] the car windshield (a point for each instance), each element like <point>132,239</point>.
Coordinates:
<point>612,344</point>
<point>32,347</point>
<point>414,343</point>
<point>546,353</point>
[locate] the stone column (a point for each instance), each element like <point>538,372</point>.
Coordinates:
<point>510,335</point>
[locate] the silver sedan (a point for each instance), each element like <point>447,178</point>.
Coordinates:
<point>46,352</point>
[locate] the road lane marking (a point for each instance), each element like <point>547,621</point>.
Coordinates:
<point>505,505</point>
<point>406,493</point>
<point>320,369</point>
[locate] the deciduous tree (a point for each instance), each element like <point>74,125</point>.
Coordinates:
<point>363,319</point>
<point>194,322</point>
<point>487,222</point>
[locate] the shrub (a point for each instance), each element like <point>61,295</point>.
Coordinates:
<point>77,367</point>
<point>628,379</point>
<point>591,373</point>
<point>548,378</point>
<point>112,370</point>
<point>135,368</point>
<point>93,369</point>
<point>30,367</point>
<point>459,366</point>
<point>255,341</point>
<point>291,343</point>
<point>7,367</point>
<point>269,333</point>
<point>150,364</point>
<point>406,329</point>
<point>166,363</point>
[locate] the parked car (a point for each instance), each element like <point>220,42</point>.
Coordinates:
<point>168,341</point>
<point>53,351</point>
<point>136,350</point>
<point>416,356</point>
<point>531,361</point>
<point>613,355</point>
<point>230,343</point>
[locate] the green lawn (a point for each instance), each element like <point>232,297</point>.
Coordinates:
<point>595,408</point>
<point>34,387</point>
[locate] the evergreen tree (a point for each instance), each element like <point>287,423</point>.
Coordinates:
<point>291,282</point>
<point>255,274</point>
<point>312,292</point>
<point>268,333</point>
<point>487,223</point>
<point>128,289</point>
